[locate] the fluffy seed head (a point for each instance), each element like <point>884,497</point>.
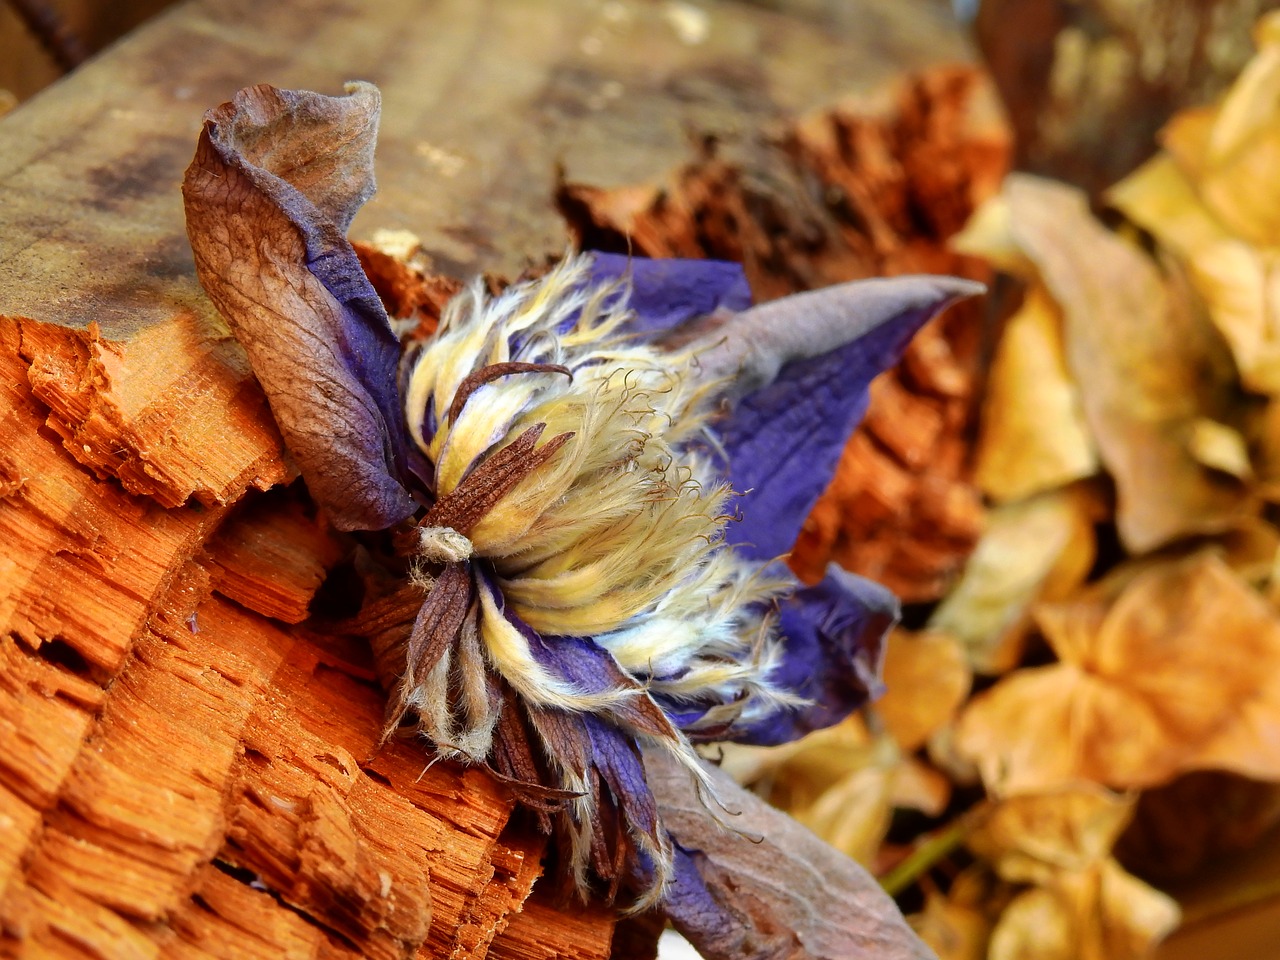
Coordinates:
<point>618,535</point>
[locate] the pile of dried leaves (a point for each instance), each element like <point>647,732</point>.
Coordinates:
<point>1093,708</point>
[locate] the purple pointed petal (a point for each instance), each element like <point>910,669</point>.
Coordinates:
<point>276,179</point>
<point>762,886</point>
<point>833,639</point>
<point>592,669</point>
<point>668,293</point>
<point>801,367</point>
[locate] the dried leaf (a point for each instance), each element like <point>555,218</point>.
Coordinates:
<point>1083,905</point>
<point>1220,447</point>
<point>926,679</point>
<point>918,786</point>
<point>1030,839</point>
<point>1034,437</point>
<point>838,782</point>
<point>765,887</point>
<point>1237,178</point>
<point>1038,549</point>
<point>276,179</point>
<point>1146,365</point>
<point>1239,282</point>
<point>958,926</point>
<point>1101,913</point>
<point>1181,672</point>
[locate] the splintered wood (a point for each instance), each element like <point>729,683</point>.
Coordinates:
<point>858,191</point>
<point>178,772</point>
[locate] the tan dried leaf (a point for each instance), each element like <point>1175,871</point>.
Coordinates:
<point>1030,839</point>
<point>918,786</point>
<point>1082,904</point>
<point>926,677</point>
<point>1180,672</point>
<point>1213,200</point>
<point>954,932</point>
<point>1239,282</point>
<point>958,925</point>
<point>1041,548</point>
<point>1220,447</point>
<point>1101,913</point>
<point>1034,437</point>
<point>1242,150</point>
<point>838,782</point>
<point>1146,364</point>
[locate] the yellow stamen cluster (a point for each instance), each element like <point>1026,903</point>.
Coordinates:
<point>617,536</point>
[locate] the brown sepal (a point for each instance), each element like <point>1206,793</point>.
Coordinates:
<point>492,372</point>
<point>493,480</point>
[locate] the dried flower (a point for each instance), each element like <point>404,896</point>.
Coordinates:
<point>592,475</point>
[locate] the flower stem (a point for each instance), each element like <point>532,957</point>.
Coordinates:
<point>928,852</point>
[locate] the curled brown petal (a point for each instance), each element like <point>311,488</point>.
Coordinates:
<point>276,179</point>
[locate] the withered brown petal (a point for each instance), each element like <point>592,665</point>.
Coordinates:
<point>492,372</point>
<point>439,620</point>
<point>276,179</point>
<point>766,886</point>
<point>563,736</point>
<point>492,480</point>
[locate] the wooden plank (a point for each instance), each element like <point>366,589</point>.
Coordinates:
<point>482,100</point>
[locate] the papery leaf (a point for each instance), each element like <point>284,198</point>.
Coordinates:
<point>798,370</point>
<point>1028,839</point>
<point>1180,672</point>
<point>840,782</point>
<point>1041,548</point>
<point>927,678</point>
<point>1084,905</point>
<point>765,887</point>
<point>276,179</point>
<point>1147,365</point>
<point>1237,280</point>
<point>1102,913</point>
<point>1034,438</point>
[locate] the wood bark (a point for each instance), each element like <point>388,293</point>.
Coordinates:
<point>187,765</point>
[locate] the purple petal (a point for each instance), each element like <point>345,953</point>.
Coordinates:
<point>276,179</point>
<point>617,758</point>
<point>832,636</point>
<point>668,293</point>
<point>592,669</point>
<point>833,640</point>
<point>801,368</point>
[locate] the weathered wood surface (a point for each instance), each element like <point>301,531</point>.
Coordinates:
<point>182,772</point>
